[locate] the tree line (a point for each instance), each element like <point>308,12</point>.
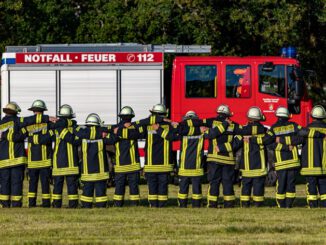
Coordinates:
<point>232,27</point>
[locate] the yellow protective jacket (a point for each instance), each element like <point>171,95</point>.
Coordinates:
<point>313,156</point>
<point>127,154</point>
<point>192,146</point>
<point>12,135</point>
<point>253,156</point>
<point>94,165</point>
<point>226,154</point>
<point>284,157</point>
<point>158,146</point>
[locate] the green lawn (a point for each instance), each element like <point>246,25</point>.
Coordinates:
<point>145,225</point>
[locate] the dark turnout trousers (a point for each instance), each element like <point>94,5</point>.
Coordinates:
<point>72,189</point>
<point>316,185</point>
<point>285,188</point>
<point>184,183</point>
<point>44,174</point>
<point>218,174</point>
<point>121,180</point>
<point>157,188</point>
<point>101,199</point>
<point>11,186</point>
<point>256,184</point>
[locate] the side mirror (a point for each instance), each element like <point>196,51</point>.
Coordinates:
<point>298,82</point>
<point>268,66</point>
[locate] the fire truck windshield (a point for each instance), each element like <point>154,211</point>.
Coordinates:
<point>272,81</point>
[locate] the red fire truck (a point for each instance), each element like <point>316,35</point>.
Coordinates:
<point>203,83</point>
<point>103,78</point>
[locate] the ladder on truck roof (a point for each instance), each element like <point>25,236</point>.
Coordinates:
<point>111,47</point>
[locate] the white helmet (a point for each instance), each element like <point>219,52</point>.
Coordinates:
<point>159,108</point>
<point>126,111</point>
<point>282,112</point>
<point>254,113</point>
<point>318,112</point>
<point>18,109</point>
<point>11,108</point>
<point>38,105</point>
<point>93,120</point>
<point>190,115</point>
<point>224,109</point>
<point>66,111</point>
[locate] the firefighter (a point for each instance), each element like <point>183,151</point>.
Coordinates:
<point>253,158</point>
<point>11,161</point>
<point>65,158</point>
<point>39,156</point>
<point>12,153</point>
<point>221,159</point>
<point>313,160</point>
<point>286,159</point>
<point>94,167</point>
<point>12,158</point>
<point>191,154</point>
<point>127,162</point>
<point>158,154</point>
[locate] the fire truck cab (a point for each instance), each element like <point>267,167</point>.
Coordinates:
<point>203,83</point>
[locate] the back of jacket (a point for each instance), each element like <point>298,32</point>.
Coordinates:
<point>191,150</point>
<point>253,157</point>
<point>284,157</point>
<point>94,159</point>
<point>13,134</point>
<point>158,154</point>
<point>39,145</point>
<point>314,150</point>
<point>224,142</point>
<point>12,151</point>
<point>127,154</point>
<point>65,155</point>
<point>158,146</point>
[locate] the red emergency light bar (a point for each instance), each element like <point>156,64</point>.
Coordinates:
<point>89,58</point>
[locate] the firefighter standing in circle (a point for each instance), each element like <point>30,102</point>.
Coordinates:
<point>253,159</point>
<point>127,162</point>
<point>12,155</point>
<point>159,134</point>
<point>39,156</point>
<point>12,158</point>
<point>94,168</point>
<point>313,159</point>
<point>65,158</point>
<point>221,159</point>
<point>286,157</point>
<point>191,156</point>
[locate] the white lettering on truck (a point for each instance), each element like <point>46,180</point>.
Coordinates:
<point>47,58</point>
<point>98,58</point>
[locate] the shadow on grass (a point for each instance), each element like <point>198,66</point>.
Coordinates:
<point>269,202</point>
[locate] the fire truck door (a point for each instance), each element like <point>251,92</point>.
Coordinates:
<point>271,89</point>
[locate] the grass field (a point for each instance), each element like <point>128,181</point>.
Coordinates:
<point>170,225</point>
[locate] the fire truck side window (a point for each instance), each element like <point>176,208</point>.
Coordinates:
<point>201,81</point>
<point>272,81</point>
<point>238,81</point>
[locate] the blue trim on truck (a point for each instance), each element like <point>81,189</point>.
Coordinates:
<point>8,61</point>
